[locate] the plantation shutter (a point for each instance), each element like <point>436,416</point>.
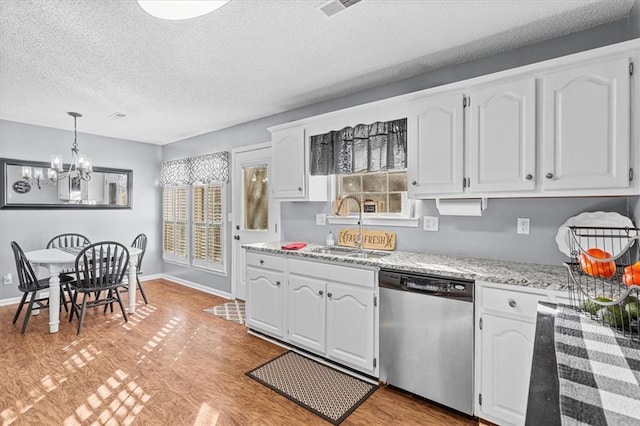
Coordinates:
<point>174,208</point>
<point>208,226</point>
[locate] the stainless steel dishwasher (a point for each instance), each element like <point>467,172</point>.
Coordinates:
<point>426,337</point>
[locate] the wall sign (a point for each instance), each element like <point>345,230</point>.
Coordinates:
<point>21,187</point>
<point>376,240</point>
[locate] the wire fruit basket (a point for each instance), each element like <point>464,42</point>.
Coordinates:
<point>604,276</point>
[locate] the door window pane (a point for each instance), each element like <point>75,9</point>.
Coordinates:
<point>256,198</point>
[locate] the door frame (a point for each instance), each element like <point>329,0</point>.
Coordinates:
<point>236,191</point>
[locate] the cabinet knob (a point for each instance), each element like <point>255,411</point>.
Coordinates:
<point>549,175</point>
<point>261,261</point>
<point>300,189</point>
<point>529,176</point>
<point>236,237</point>
<point>512,303</point>
<point>277,283</point>
<point>237,227</point>
<point>329,295</point>
<point>320,293</point>
<point>414,183</point>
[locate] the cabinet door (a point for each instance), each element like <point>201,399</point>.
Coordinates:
<point>265,301</point>
<point>502,137</point>
<point>507,350</point>
<point>586,127</point>
<point>306,312</point>
<point>288,163</point>
<point>435,152</point>
<point>350,326</point>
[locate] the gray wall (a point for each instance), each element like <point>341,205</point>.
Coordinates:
<point>32,229</point>
<point>492,235</point>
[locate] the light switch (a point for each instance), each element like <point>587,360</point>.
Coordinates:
<point>321,219</point>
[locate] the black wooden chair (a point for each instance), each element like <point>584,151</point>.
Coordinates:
<point>68,240</point>
<point>29,284</point>
<point>140,241</point>
<point>100,269</point>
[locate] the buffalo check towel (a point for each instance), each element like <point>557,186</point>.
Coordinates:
<point>599,372</point>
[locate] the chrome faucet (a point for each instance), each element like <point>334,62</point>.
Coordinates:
<point>353,197</point>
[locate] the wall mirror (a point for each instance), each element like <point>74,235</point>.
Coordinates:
<point>32,185</point>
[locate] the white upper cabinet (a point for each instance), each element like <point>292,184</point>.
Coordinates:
<point>435,146</point>
<point>501,145</point>
<point>289,179</point>
<point>586,126</point>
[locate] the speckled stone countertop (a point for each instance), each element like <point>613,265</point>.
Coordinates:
<point>548,277</point>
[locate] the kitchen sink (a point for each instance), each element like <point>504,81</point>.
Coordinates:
<point>368,255</point>
<point>348,252</point>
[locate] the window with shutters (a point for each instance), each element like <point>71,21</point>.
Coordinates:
<point>208,226</point>
<point>175,222</point>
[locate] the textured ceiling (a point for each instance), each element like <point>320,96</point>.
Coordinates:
<point>250,59</point>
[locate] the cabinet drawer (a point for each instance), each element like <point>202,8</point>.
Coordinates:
<point>512,303</point>
<point>335,273</point>
<point>260,260</point>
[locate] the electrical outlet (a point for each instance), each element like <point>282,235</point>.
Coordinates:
<point>430,223</point>
<point>6,279</point>
<point>321,219</point>
<point>523,225</point>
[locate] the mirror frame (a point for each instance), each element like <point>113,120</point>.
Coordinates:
<point>4,188</point>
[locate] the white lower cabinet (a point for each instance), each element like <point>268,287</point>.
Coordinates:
<point>507,349</point>
<point>265,294</point>
<point>331,311</point>
<point>352,345</point>
<point>306,305</point>
<point>327,309</point>
<point>505,325</point>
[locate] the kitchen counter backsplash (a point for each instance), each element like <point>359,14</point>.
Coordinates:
<point>548,277</point>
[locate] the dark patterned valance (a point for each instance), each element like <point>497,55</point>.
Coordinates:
<point>203,169</point>
<point>363,148</point>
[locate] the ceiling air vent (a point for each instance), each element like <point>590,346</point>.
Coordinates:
<point>332,7</point>
<point>117,115</point>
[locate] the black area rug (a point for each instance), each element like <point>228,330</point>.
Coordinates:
<point>327,392</point>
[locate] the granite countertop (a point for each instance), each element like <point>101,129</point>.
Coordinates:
<point>547,277</point>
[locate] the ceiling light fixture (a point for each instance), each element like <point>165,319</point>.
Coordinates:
<point>176,10</point>
<point>80,167</point>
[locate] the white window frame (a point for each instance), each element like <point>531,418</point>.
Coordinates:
<point>405,219</point>
<point>219,268</point>
<point>172,256</point>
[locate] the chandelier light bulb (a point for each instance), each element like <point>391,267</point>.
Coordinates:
<point>178,10</point>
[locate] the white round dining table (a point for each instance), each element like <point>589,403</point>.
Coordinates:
<point>56,260</point>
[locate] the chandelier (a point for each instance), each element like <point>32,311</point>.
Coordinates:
<point>35,176</point>
<point>80,167</point>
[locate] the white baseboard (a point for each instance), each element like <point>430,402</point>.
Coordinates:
<point>196,286</point>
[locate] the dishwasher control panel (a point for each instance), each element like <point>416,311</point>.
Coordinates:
<point>432,285</point>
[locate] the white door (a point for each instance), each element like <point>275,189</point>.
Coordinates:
<point>502,137</point>
<point>586,126</point>
<point>435,162</point>
<point>306,312</point>
<point>352,345</point>
<point>507,350</point>
<point>289,176</point>
<point>255,214</point>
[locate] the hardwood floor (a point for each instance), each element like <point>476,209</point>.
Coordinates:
<point>171,364</point>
